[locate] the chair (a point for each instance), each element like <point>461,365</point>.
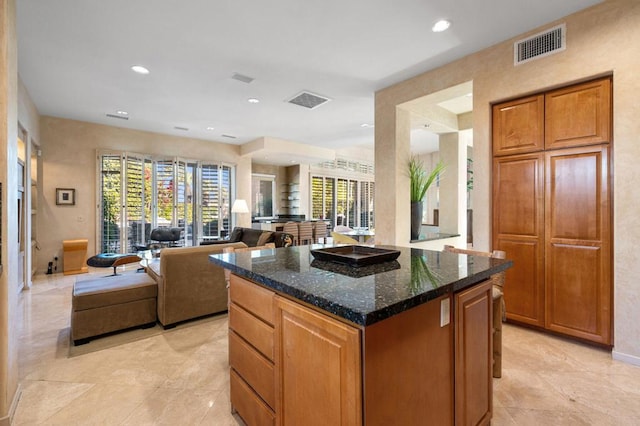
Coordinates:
<point>499,310</point>
<point>342,239</point>
<point>292,229</point>
<point>319,231</point>
<point>305,233</point>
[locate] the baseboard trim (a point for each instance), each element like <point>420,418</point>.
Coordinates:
<point>8,419</point>
<point>629,359</point>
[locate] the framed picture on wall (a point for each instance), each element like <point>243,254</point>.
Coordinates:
<point>65,196</point>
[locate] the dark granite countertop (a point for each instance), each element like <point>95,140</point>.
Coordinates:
<point>367,294</point>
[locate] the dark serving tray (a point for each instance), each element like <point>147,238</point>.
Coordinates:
<point>354,255</point>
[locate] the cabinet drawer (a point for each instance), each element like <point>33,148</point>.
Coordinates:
<point>252,297</point>
<point>248,405</point>
<point>255,369</point>
<point>254,331</point>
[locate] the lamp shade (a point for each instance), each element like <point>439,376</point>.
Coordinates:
<point>240,206</point>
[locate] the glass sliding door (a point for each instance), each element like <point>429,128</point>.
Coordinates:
<point>137,227</point>
<point>367,191</point>
<point>138,193</point>
<point>185,203</point>
<point>164,188</point>
<point>111,202</point>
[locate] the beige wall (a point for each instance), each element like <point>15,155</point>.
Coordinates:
<point>604,39</point>
<point>9,317</point>
<point>69,161</point>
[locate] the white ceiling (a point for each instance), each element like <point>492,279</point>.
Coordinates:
<point>75,58</point>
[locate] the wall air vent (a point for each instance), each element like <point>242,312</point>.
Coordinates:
<point>242,78</point>
<point>121,117</point>
<point>308,100</point>
<point>540,45</point>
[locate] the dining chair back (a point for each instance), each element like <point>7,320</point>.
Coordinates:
<point>305,233</point>
<point>319,231</point>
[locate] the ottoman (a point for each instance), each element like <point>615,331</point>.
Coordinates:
<point>113,303</point>
<point>112,260</point>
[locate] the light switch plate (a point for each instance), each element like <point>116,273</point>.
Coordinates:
<point>445,312</point>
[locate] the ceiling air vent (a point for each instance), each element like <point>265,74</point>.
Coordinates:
<point>229,136</point>
<point>308,100</point>
<point>184,129</point>
<point>540,45</point>
<point>242,78</point>
<point>121,117</point>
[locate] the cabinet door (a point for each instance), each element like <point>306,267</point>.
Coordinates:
<point>518,126</point>
<point>578,115</point>
<point>578,249</point>
<point>406,358</point>
<point>318,368</point>
<point>474,355</point>
<point>518,229</point>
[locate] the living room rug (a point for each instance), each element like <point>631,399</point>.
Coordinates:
<point>114,339</point>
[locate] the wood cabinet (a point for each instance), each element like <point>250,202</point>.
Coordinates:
<point>552,216</point>
<point>251,352</point>
<point>291,364</point>
<point>518,126</point>
<point>518,229</point>
<point>578,243</point>
<point>578,115</point>
<point>473,355</point>
<point>319,368</point>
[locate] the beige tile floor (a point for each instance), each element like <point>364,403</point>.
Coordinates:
<point>180,377</point>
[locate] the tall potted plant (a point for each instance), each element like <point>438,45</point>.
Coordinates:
<point>420,183</point>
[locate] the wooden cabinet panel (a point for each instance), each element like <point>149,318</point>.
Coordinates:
<point>518,230</point>
<point>252,367</point>
<point>473,355</point>
<point>578,248</point>
<point>518,194</point>
<point>524,292</point>
<point>251,408</point>
<point>319,368</point>
<point>252,297</point>
<point>518,126</point>
<point>578,115</point>
<point>408,368</point>
<point>253,330</point>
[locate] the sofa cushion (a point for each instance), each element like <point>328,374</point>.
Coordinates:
<point>251,236</point>
<point>236,235</point>
<point>265,237</point>
<point>113,290</point>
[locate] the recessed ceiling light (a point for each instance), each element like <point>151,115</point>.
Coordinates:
<point>366,125</point>
<point>210,128</point>
<point>253,100</point>
<point>120,112</point>
<point>440,26</point>
<point>140,69</point>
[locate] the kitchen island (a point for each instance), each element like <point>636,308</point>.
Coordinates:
<point>401,342</point>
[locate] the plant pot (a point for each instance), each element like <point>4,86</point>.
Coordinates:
<point>416,219</point>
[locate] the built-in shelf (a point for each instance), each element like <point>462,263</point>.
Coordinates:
<point>289,200</point>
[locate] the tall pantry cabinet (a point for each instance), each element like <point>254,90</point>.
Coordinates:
<point>552,208</point>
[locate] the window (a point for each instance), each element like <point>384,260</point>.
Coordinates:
<point>263,188</point>
<point>138,193</point>
<point>343,201</point>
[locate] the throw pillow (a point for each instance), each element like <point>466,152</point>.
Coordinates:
<point>236,235</point>
<point>265,238</point>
